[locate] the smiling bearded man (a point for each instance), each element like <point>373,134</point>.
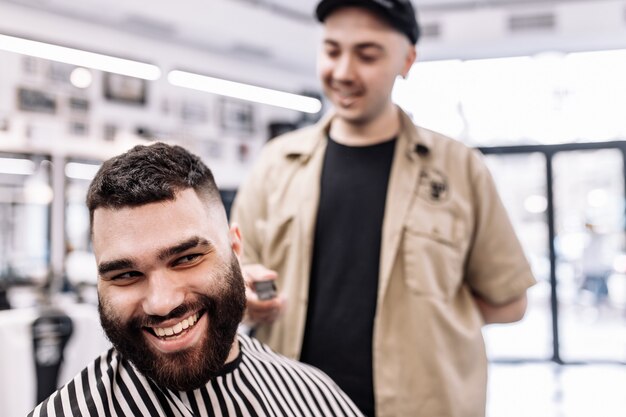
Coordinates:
<point>191,368</point>
<point>171,296</point>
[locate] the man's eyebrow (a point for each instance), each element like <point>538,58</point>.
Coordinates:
<point>359,46</point>
<point>368,45</point>
<point>115,265</point>
<point>183,246</point>
<point>129,263</point>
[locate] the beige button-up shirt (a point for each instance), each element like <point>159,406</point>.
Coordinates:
<point>446,235</point>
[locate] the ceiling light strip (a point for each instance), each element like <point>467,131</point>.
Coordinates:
<point>244,91</point>
<point>16,166</point>
<point>80,171</point>
<point>80,58</point>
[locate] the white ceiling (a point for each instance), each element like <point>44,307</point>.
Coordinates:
<point>270,30</point>
<point>279,33</point>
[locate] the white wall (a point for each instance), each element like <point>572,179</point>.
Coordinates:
<point>483,32</point>
<point>474,32</point>
<point>161,114</point>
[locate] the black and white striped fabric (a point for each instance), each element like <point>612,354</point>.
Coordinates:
<point>258,383</point>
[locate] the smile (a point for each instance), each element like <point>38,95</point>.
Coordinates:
<point>347,93</point>
<point>178,328</point>
<point>347,97</point>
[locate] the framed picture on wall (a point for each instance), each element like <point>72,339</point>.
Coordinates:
<point>36,101</point>
<point>123,89</point>
<point>31,65</point>
<point>59,72</point>
<point>78,128</point>
<point>78,104</point>
<point>109,131</point>
<point>236,115</point>
<point>193,112</point>
<point>4,124</point>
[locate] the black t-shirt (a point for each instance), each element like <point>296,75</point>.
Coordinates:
<point>344,269</point>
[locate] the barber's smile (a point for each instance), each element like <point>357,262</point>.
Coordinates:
<point>347,96</point>
<point>178,334</point>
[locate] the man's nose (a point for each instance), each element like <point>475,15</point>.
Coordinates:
<point>344,69</point>
<point>164,294</point>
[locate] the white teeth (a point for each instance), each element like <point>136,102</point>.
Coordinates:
<point>177,328</point>
<point>346,93</point>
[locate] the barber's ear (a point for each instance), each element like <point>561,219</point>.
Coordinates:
<point>236,241</point>
<point>409,61</point>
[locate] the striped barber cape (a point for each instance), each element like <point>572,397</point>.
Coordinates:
<point>258,383</point>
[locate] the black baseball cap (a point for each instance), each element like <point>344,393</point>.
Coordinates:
<point>399,13</point>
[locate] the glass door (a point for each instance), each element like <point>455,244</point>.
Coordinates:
<point>567,203</point>
<point>521,183</point>
<point>25,204</point>
<point>79,263</point>
<point>591,268</point>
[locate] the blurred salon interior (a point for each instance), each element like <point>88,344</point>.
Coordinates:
<point>539,86</point>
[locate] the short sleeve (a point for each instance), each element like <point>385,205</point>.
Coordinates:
<point>496,269</point>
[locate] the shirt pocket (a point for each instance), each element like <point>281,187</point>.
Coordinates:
<point>432,247</point>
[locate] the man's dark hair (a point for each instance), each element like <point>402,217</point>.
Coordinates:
<point>148,174</point>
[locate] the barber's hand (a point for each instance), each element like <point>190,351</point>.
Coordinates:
<point>260,311</point>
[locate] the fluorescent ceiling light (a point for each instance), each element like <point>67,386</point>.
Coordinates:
<point>17,166</point>
<point>80,171</point>
<point>80,58</point>
<point>244,91</point>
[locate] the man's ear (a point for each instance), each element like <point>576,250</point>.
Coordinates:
<point>236,242</point>
<point>409,60</point>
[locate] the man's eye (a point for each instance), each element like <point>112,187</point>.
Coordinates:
<point>187,259</point>
<point>126,275</point>
<point>368,58</point>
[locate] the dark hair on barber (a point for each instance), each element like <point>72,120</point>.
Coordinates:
<point>148,174</point>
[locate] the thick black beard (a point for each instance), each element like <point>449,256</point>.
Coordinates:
<point>192,368</point>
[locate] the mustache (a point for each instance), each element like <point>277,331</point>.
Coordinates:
<point>179,312</point>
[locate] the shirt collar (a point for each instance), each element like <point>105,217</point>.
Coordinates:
<point>418,141</point>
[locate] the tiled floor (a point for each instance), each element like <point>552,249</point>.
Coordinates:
<point>550,390</point>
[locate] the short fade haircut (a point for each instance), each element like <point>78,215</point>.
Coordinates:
<point>149,174</point>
